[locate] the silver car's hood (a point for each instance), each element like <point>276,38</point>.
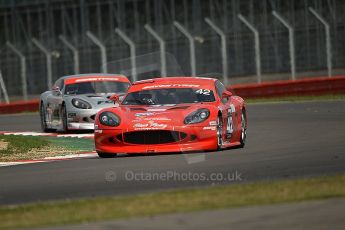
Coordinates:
<point>96,100</point>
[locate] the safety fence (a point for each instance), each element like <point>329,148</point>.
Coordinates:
<point>41,41</point>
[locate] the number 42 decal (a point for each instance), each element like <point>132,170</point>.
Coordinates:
<point>203,91</point>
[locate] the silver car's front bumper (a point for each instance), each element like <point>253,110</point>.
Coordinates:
<point>80,126</point>
<point>81,120</point>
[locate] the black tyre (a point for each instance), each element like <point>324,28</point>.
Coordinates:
<point>106,155</point>
<point>43,119</point>
<point>64,119</point>
<point>243,128</point>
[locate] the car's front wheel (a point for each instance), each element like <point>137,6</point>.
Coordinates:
<point>106,155</point>
<point>64,119</point>
<point>44,127</point>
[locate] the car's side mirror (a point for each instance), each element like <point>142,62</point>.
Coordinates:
<point>56,89</point>
<point>115,98</point>
<point>226,94</point>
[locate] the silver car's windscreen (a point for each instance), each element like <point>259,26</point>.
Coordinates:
<point>96,87</point>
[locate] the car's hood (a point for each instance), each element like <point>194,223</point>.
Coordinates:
<point>97,101</point>
<point>156,116</point>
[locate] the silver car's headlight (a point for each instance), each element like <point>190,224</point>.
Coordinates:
<point>109,119</point>
<point>81,104</point>
<point>197,116</point>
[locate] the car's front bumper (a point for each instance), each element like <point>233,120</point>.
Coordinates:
<point>81,120</point>
<point>196,139</point>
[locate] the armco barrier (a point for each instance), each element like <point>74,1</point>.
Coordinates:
<point>310,86</point>
<point>19,107</point>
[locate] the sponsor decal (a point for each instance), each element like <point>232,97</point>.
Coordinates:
<point>156,110</point>
<point>91,79</point>
<point>144,114</point>
<point>139,119</point>
<point>213,123</point>
<point>209,128</point>
<point>171,86</point>
<point>232,108</point>
<point>203,91</point>
<point>96,79</point>
<point>149,125</point>
<point>229,125</point>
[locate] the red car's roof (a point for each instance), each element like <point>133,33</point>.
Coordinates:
<point>95,77</point>
<point>173,82</point>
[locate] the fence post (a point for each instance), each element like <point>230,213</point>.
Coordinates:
<point>257,46</point>
<point>49,61</point>
<point>131,44</point>
<point>74,51</point>
<point>162,49</point>
<point>22,69</point>
<point>223,49</point>
<point>291,42</point>
<point>328,40</point>
<point>102,48</point>
<point>3,88</point>
<point>191,46</point>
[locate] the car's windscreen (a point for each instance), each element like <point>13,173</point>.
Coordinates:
<point>169,96</point>
<point>96,87</point>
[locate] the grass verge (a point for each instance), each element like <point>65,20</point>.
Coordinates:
<point>13,147</point>
<point>187,200</point>
<point>328,97</point>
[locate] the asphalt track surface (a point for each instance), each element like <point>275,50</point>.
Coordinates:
<point>285,140</point>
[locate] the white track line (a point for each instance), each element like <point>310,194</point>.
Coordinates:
<point>89,155</point>
<point>49,159</point>
<point>85,135</point>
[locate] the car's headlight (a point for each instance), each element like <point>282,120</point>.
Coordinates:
<point>197,116</point>
<point>109,119</point>
<point>81,104</point>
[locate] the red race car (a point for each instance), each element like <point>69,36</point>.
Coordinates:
<point>174,114</point>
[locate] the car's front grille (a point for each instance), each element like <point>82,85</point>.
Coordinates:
<point>153,137</point>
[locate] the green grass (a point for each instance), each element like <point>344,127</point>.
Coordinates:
<point>21,144</point>
<point>14,147</point>
<point>74,144</point>
<point>187,200</point>
<point>297,98</point>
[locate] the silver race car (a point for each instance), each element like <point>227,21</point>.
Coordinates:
<point>74,100</point>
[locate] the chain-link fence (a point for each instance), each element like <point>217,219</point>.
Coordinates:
<point>314,51</point>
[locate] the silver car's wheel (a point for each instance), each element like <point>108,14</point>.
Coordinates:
<point>43,119</point>
<point>64,119</point>
<point>243,128</point>
<point>219,132</point>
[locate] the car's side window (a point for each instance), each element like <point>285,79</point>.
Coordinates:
<point>57,83</point>
<point>220,88</point>
<point>61,85</point>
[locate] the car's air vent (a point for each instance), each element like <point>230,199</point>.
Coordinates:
<point>151,137</point>
<point>94,96</point>
<point>179,107</point>
<point>138,109</point>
